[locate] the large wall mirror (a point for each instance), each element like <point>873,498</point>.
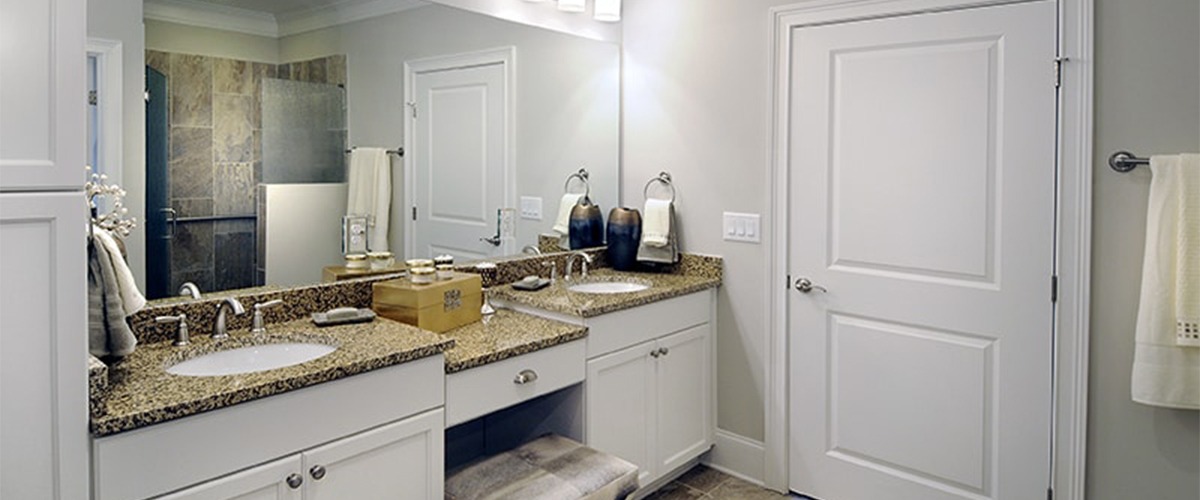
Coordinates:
<point>251,138</point>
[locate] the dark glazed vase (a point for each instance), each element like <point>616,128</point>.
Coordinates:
<point>624,234</point>
<point>586,226</point>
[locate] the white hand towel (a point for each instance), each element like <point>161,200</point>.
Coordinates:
<point>132,299</point>
<point>369,181</point>
<point>1166,373</point>
<point>1187,252</point>
<point>656,227</point>
<point>563,221</point>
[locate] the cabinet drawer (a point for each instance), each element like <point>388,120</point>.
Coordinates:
<point>621,329</point>
<point>479,391</point>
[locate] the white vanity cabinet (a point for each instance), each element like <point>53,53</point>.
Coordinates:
<point>401,460</point>
<point>650,383</point>
<point>377,434</point>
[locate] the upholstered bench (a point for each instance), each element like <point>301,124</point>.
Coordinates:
<point>551,467</point>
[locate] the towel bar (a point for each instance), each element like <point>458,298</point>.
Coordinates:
<point>398,151</point>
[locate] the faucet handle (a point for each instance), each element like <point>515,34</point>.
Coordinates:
<point>553,265</point>
<point>181,335</point>
<point>257,326</point>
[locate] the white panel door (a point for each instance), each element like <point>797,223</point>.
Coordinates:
<point>43,346</point>
<point>922,159</point>
<point>621,407</point>
<point>459,160</point>
<point>684,394</point>
<point>264,482</point>
<point>402,460</point>
<point>43,122</point>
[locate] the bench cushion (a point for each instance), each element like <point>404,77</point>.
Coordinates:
<point>550,467</point>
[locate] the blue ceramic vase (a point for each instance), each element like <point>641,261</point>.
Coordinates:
<point>624,234</point>
<point>586,226</point>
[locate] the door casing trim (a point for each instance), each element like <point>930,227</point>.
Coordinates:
<point>507,58</point>
<point>1072,225</point>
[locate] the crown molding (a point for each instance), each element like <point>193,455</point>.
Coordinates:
<point>214,16</point>
<point>340,13</point>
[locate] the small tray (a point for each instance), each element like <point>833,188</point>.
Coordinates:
<point>364,316</point>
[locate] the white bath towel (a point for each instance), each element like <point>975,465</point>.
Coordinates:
<point>370,184</point>
<point>132,299</point>
<point>563,221</point>
<point>1166,372</point>
<point>656,228</point>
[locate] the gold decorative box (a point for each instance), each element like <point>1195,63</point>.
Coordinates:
<point>439,306</point>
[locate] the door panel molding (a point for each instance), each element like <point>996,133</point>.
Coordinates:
<point>1072,227</point>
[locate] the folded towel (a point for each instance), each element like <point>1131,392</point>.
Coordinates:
<point>665,254</point>
<point>108,334</point>
<point>563,221</point>
<point>132,299</point>
<point>656,228</point>
<point>1166,373</point>
<point>370,193</point>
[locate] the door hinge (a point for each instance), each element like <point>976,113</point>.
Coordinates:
<point>92,98</point>
<point>1054,289</point>
<point>414,212</point>
<point>413,106</point>
<point>1058,70</point>
<point>787,284</point>
<point>1049,493</point>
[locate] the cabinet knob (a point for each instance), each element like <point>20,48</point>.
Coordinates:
<point>295,480</point>
<point>525,377</point>
<point>317,472</point>
<point>664,351</point>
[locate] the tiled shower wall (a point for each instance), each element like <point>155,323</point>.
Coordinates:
<point>215,159</point>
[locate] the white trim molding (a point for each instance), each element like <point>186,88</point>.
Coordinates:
<point>505,56</point>
<point>340,13</point>
<point>252,22</point>
<point>1073,225</point>
<point>736,455</point>
<point>110,95</point>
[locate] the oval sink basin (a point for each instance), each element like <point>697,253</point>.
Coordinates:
<point>608,287</point>
<point>250,359</point>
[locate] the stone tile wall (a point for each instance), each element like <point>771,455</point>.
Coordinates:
<point>215,159</point>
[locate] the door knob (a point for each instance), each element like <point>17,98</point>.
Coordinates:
<point>805,285</point>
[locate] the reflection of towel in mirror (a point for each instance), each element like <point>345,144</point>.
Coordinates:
<point>108,334</point>
<point>132,299</point>
<point>370,192</point>
<point>563,221</point>
<point>655,249</point>
<point>1166,361</point>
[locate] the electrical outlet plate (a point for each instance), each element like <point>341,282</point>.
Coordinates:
<point>531,207</point>
<point>742,227</point>
<point>354,234</point>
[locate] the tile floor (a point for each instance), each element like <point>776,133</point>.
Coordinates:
<point>710,484</point>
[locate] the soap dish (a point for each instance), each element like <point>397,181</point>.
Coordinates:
<point>325,319</point>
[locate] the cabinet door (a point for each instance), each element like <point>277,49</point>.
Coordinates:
<point>685,396</point>
<point>43,344</point>
<point>621,406</point>
<point>402,460</point>
<point>264,482</point>
<point>42,68</point>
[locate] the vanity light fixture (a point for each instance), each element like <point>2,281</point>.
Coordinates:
<point>572,5</point>
<point>608,11</point>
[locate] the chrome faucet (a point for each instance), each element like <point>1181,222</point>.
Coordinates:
<point>257,325</point>
<point>229,303</point>
<point>583,270</point>
<point>189,289</point>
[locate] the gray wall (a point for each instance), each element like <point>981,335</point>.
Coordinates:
<point>1147,101</point>
<point>696,103</point>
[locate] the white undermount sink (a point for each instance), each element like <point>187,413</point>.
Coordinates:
<point>609,286</point>
<point>250,359</point>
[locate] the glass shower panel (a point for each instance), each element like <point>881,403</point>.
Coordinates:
<point>304,132</point>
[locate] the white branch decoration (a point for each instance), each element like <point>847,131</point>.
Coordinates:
<point>117,219</point>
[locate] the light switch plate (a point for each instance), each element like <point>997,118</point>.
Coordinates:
<point>531,207</point>
<point>742,227</point>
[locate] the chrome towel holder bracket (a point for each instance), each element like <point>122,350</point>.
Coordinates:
<point>663,178</point>
<point>1124,161</point>
<point>582,175</point>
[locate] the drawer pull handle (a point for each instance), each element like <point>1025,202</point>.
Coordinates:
<point>317,472</point>
<point>525,377</point>
<point>295,480</point>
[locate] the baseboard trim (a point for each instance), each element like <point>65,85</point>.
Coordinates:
<point>738,456</point>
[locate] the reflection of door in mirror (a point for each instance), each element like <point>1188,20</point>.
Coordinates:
<point>461,177</point>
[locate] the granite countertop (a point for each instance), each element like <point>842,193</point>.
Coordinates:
<point>140,392</point>
<point>557,298</point>
<point>506,334</point>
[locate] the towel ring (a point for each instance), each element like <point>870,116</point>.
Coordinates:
<point>663,178</point>
<point>582,175</point>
